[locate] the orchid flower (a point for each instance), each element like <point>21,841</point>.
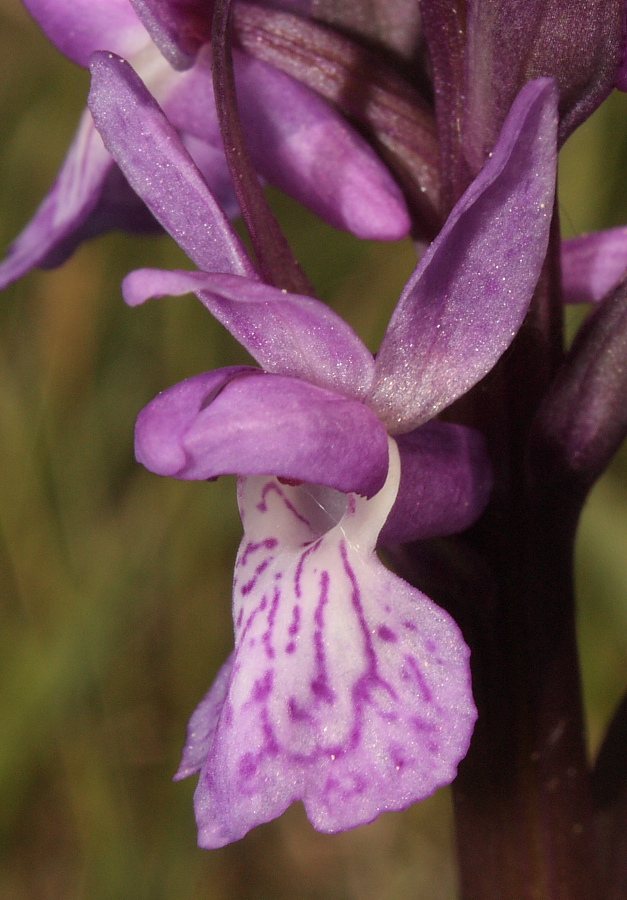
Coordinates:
<point>348,689</point>
<point>291,131</point>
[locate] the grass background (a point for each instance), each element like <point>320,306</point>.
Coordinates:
<point>115,584</point>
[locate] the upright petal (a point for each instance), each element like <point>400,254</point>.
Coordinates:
<point>349,690</point>
<point>242,421</point>
<point>158,167</point>
<point>463,305</point>
<point>287,334</point>
<point>593,265</point>
<point>71,200</point>
<point>79,27</point>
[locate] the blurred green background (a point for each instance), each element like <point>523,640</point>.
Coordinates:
<point>115,584</point>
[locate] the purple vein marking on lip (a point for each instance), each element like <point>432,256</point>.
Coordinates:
<point>249,763</point>
<point>419,678</point>
<point>262,506</point>
<point>251,618</point>
<point>261,568</point>
<point>299,568</point>
<point>295,623</point>
<point>272,747</point>
<point>293,629</point>
<point>267,635</point>
<point>371,676</point>
<point>252,547</point>
<point>320,683</point>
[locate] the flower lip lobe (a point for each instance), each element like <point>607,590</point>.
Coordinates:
<point>348,689</point>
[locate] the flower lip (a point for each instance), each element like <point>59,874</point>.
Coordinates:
<point>348,689</point>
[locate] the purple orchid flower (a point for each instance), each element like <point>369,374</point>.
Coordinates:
<point>348,689</point>
<point>291,131</point>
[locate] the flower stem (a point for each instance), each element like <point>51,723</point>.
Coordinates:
<point>522,796</point>
<point>523,802</point>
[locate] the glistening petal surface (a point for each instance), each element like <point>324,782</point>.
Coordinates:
<point>287,334</point>
<point>250,423</point>
<point>349,690</point>
<point>467,298</point>
<point>158,167</point>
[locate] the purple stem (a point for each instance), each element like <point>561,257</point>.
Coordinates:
<point>523,801</point>
<point>277,263</point>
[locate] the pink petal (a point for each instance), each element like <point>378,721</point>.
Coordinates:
<point>467,298</point>
<point>71,200</point>
<point>242,421</point>
<point>287,334</point>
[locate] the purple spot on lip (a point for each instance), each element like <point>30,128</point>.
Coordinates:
<point>421,725</point>
<point>289,648</point>
<point>272,746</point>
<point>263,687</point>
<point>410,627</point>
<point>296,712</point>
<point>397,757</point>
<point>320,689</point>
<point>247,765</point>
<point>386,634</point>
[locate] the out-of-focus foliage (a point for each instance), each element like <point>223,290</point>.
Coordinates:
<point>115,584</point>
